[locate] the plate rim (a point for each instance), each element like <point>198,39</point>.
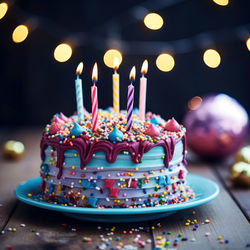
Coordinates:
<point>117,211</point>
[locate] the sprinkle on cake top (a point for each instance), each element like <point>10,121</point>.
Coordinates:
<point>112,127</point>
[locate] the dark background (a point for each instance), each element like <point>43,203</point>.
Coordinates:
<point>34,86</point>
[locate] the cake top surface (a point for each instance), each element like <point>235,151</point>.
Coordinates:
<point>112,127</point>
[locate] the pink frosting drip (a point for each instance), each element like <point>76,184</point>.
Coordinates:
<point>87,148</point>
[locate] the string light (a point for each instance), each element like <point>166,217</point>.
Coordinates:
<point>165,62</point>
<point>20,33</point>
<point>110,55</point>
<point>63,52</point>
<point>211,58</point>
<point>194,102</point>
<point>248,43</point>
<point>153,21</point>
<point>222,2</point>
<point>3,9</point>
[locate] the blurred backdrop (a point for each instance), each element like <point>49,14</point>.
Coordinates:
<point>35,85</point>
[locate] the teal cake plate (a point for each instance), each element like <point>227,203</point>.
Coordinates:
<point>205,191</point>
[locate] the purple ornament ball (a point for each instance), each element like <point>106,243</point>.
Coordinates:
<point>216,125</point>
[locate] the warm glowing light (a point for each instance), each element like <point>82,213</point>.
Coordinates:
<point>211,58</point>
<point>221,2</point>
<point>79,68</point>
<point>3,9</point>
<point>144,67</point>
<point>20,33</point>
<point>94,73</point>
<point>116,63</point>
<point>63,52</point>
<point>132,74</point>
<point>165,62</point>
<point>248,43</point>
<point>109,57</point>
<point>153,21</point>
<point>194,103</point>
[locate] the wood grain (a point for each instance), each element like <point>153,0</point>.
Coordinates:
<point>14,172</point>
<point>55,231</point>
<point>226,219</point>
<point>239,194</point>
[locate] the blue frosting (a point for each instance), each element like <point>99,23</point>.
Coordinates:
<point>115,135</point>
<point>162,181</point>
<point>155,120</point>
<point>168,180</point>
<point>51,188</point>
<point>76,130</point>
<point>135,111</point>
<point>92,201</point>
<point>85,183</point>
<point>149,159</point>
<point>45,169</point>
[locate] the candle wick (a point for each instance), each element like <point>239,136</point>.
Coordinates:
<point>77,76</point>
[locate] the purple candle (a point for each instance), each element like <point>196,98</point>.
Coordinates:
<point>130,104</point>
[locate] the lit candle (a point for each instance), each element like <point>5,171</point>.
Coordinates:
<point>130,104</point>
<point>79,97</point>
<point>143,91</point>
<point>94,99</point>
<point>116,87</point>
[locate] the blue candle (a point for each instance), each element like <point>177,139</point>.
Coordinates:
<point>79,97</point>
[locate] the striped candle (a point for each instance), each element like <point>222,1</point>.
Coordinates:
<point>94,99</point>
<point>130,103</point>
<point>143,91</point>
<point>116,87</point>
<point>79,97</point>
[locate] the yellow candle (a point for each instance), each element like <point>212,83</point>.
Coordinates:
<point>116,87</point>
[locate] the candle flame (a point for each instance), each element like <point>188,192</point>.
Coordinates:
<point>132,74</point>
<point>116,63</point>
<point>79,68</point>
<point>94,73</point>
<point>144,67</point>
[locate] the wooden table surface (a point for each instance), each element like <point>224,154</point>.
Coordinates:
<point>229,214</point>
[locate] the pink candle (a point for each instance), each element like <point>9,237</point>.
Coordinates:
<point>94,99</point>
<point>143,91</point>
<point>130,103</point>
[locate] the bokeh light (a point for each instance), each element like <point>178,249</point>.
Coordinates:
<point>248,43</point>
<point>222,2</point>
<point>63,52</point>
<point>3,9</point>
<point>165,62</point>
<point>211,58</point>
<point>194,102</point>
<point>20,33</point>
<point>109,57</point>
<point>153,21</point>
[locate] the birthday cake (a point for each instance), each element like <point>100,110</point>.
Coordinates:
<point>112,167</point>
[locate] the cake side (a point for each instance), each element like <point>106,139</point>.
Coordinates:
<point>137,170</point>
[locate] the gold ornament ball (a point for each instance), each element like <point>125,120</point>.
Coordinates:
<point>240,173</point>
<point>243,155</point>
<point>13,150</point>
